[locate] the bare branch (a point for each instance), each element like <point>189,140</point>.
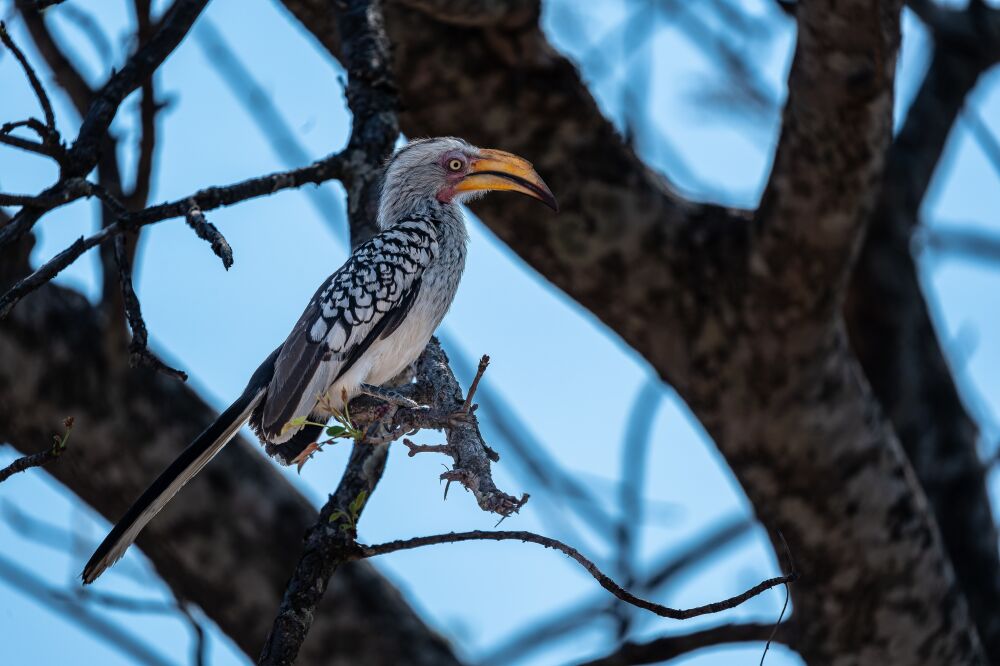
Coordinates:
<point>971,32</point>
<point>891,327</point>
<point>139,353</point>
<point>209,232</point>
<point>67,76</point>
<point>207,199</point>
<point>414,449</point>
<point>42,457</point>
<point>465,443</point>
<point>564,621</point>
<point>148,108</point>
<point>50,269</point>
<point>542,468</point>
<point>171,30</point>
<point>48,150</point>
<point>483,364</point>
<point>273,126</point>
<point>840,96</point>
<point>361,552</point>
<point>36,85</point>
<point>671,647</point>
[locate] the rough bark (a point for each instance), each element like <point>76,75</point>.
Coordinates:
<point>229,541</point>
<point>894,337</point>
<point>742,318</point>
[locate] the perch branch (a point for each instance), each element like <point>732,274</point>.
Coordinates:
<point>362,552</point>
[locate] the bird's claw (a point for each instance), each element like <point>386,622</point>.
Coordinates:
<point>390,396</point>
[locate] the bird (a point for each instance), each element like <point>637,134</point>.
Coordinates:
<point>365,324</point>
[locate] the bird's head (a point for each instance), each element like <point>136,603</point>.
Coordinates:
<point>447,170</point>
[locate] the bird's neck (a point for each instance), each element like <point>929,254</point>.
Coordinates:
<point>446,216</point>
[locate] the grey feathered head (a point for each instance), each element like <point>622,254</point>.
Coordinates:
<point>448,170</point>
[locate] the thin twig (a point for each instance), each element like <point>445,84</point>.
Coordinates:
<point>562,622</point>
<point>788,595</point>
<point>483,364</point>
<point>36,85</point>
<point>414,449</point>
<point>206,199</point>
<point>209,232</point>
<point>363,552</point>
<point>42,457</point>
<point>271,124</point>
<point>32,147</point>
<point>51,268</point>
<point>148,108</point>
<point>663,649</point>
<point>139,353</point>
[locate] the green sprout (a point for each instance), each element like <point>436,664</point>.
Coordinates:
<point>350,517</point>
<point>342,428</point>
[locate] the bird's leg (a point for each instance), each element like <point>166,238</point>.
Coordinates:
<point>390,396</point>
<point>382,429</point>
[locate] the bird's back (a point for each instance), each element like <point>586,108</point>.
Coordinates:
<point>367,322</point>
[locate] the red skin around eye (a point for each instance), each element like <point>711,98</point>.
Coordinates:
<point>446,193</point>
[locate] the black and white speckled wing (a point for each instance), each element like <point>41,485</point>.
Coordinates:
<point>366,299</point>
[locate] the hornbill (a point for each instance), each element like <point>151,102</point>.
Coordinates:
<point>365,324</point>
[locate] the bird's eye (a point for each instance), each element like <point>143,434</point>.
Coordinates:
<point>455,164</point>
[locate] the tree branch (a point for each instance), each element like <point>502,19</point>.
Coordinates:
<point>40,458</point>
<point>360,551</point>
<point>891,327</point>
<point>836,132</point>
<point>139,353</point>
<point>228,542</point>
<point>782,397</point>
<point>206,199</point>
<point>172,28</point>
<point>36,85</point>
<point>561,623</point>
<point>671,647</point>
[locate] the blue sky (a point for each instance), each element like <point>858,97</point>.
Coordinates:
<point>571,383</point>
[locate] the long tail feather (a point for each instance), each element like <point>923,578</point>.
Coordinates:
<point>182,470</point>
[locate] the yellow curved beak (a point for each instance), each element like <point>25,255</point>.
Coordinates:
<point>499,170</point>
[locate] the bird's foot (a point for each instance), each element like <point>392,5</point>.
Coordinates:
<point>390,396</point>
<point>383,428</point>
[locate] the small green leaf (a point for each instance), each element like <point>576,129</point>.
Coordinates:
<point>336,431</point>
<point>297,422</point>
<point>357,504</point>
